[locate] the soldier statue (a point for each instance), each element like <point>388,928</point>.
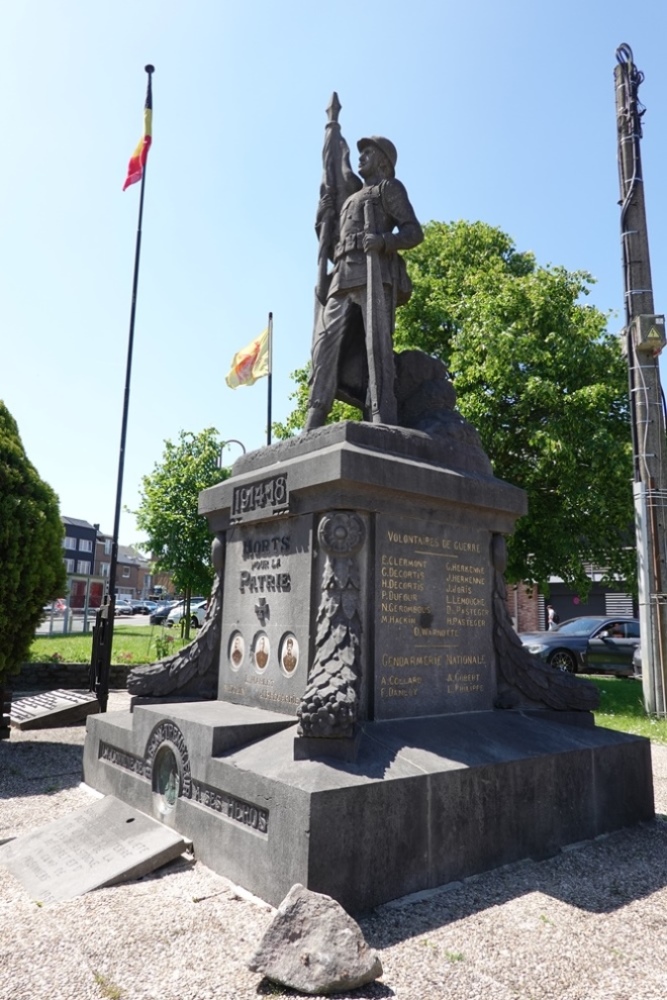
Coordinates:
<point>361,224</point>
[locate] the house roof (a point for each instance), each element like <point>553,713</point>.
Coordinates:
<point>77,522</point>
<point>128,554</point>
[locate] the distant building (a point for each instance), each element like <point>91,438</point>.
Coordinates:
<point>87,556</point>
<point>79,546</point>
<point>528,609</point>
<point>163,585</point>
<point>133,570</point>
<point>85,589</point>
<point>103,555</point>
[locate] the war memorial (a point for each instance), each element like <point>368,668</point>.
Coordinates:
<point>357,714</point>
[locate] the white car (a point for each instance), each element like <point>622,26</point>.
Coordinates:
<point>197,614</point>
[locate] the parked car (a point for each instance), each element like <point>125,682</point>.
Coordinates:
<point>143,607</point>
<point>197,614</point>
<point>159,614</point>
<point>637,661</point>
<point>123,607</point>
<point>588,645</point>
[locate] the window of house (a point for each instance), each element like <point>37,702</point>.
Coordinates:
<point>107,546</point>
<point>126,571</point>
<point>85,545</point>
<point>69,565</point>
<point>69,542</point>
<point>104,568</point>
<point>83,566</point>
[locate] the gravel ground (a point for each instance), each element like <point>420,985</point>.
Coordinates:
<point>588,924</point>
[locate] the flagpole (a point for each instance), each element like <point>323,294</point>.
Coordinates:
<point>104,661</point>
<point>269,386</point>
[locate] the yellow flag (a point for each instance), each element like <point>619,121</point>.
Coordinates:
<point>250,363</point>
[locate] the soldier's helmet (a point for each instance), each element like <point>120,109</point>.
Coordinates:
<point>386,147</point>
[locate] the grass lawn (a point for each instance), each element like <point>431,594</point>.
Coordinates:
<point>131,644</point>
<point>622,707</point>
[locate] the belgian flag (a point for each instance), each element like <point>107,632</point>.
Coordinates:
<point>135,168</point>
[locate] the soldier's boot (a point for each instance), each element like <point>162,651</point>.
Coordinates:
<point>316,417</point>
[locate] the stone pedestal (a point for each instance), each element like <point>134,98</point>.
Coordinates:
<point>356,745</point>
<point>391,549</point>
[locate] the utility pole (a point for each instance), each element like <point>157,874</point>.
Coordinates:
<point>644,337</point>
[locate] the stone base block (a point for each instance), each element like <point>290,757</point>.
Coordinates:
<point>311,748</point>
<point>427,801</point>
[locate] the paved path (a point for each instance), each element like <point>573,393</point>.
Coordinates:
<point>588,924</point>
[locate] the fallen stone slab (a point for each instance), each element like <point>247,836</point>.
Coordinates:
<point>314,946</point>
<point>53,708</point>
<point>105,843</point>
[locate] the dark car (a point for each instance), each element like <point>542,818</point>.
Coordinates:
<point>143,607</point>
<point>159,614</point>
<point>589,645</point>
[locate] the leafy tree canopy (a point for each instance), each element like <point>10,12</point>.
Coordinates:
<point>31,554</point>
<point>178,536</point>
<point>297,418</point>
<point>545,384</point>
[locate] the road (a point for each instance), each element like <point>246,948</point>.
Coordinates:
<point>76,623</point>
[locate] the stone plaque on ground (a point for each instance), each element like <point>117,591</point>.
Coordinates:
<point>53,708</point>
<point>105,843</point>
<point>434,646</point>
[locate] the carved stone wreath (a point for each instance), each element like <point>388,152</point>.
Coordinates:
<point>341,533</point>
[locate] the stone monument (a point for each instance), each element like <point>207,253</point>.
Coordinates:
<point>377,726</point>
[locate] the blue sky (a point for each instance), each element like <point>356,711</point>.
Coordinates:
<point>500,112</point>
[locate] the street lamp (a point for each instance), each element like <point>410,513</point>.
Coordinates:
<point>219,463</point>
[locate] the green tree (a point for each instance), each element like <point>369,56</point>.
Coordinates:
<point>178,536</point>
<point>545,384</point>
<point>31,553</point>
<point>297,418</point>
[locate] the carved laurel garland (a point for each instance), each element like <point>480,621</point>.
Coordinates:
<point>523,679</point>
<point>329,706</point>
<point>197,660</point>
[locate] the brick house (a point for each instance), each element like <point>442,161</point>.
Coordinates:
<point>133,570</point>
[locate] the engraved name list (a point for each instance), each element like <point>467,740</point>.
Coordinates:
<point>433,619</point>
